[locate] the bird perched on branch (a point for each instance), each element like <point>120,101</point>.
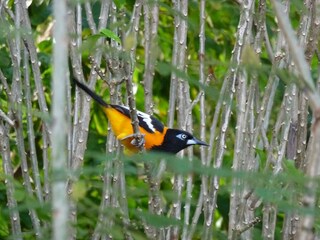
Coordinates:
<point>157,137</point>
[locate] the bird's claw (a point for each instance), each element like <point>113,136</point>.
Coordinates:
<point>137,141</point>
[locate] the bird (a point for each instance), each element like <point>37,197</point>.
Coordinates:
<point>157,137</point>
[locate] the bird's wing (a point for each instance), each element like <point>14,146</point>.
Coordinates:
<point>146,121</point>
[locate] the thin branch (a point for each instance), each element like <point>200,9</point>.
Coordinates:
<point>60,203</point>
<point>30,46</point>
<point>249,225</point>
<point>89,18</point>
<point>6,118</point>
<point>81,126</point>
<point>297,55</point>
<point>46,168</point>
<point>243,27</point>
<point>151,21</point>
<point>314,29</point>
<point>10,188</point>
<point>188,231</point>
<point>16,108</point>
<point>183,101</point>
<point>237,165</point>
<point>31,137</point>
<point>269,220</point>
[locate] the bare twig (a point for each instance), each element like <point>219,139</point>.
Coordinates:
<point>30,46</point>
<point>10,188</point>
<point>241,38</point>
<point>90,19</point>
<point>313,15</point>
<point>188,231</point>
<point>46,169</point>
<point>16,108</point>
<point>6,118</point>
<point>183,100</point>
<point>31,137</point>
<point>238,162</point>
<point>249,225</point>
<point>298,56</point>
<point>151,21</point>
<point>59,128</point>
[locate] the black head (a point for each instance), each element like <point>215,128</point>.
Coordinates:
<point>176,140</point>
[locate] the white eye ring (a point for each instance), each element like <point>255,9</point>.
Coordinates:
<point>182,136</point>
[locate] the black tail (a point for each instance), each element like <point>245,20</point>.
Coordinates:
<point>92,94</point>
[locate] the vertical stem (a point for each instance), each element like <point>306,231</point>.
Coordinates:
<point>30,44</point>
<point>241,39</point>
<point>10,189</point>
<point>151,21</point>
<point>187,230</point>
<point>183,99</point>
<point>59,129</point>
<point>31,137</point>
<point>15,51</point>
<point>45,157</point>
<point>174,82</point>
<point>202,38</point>
<point>235,219</point>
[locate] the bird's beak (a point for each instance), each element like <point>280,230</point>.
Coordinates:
<point>195,141</point>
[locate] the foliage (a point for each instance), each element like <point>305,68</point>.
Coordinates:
<point>124,212</point>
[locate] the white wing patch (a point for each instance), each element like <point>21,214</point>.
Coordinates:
<point>147,119</point>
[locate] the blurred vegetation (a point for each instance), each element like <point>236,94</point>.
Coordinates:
<point>221,25</point>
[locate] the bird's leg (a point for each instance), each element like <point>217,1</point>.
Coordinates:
<point>137,141</point>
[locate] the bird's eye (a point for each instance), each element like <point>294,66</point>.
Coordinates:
<point>182,136</point>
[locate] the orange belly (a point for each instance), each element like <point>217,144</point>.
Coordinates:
<point>122,128</point>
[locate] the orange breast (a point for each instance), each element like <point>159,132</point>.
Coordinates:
<point>122,128</point>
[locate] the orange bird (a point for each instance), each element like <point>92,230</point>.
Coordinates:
<point>157,137</point>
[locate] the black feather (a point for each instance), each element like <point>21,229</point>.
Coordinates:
<point>97,98</point>
<point>156,124</point>
<point>172,144</point>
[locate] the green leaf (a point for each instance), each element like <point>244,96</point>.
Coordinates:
<point>109,34</point>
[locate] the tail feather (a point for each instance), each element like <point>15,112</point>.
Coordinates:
<point>92,94</point>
